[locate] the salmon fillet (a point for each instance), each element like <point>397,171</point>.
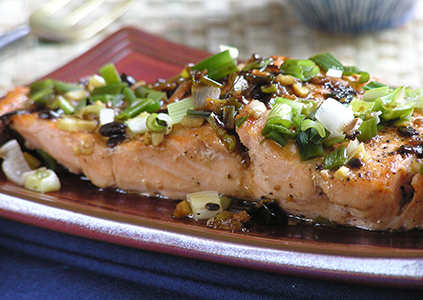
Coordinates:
<point>383,193</point>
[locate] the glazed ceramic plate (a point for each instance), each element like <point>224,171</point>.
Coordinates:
<point>344,254</point>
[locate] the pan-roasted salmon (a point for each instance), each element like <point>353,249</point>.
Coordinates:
<point>322,139</point>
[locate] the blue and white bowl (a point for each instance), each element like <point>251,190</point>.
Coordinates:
<point>354,15</point>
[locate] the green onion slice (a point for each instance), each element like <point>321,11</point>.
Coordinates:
<point>327,61</point>
<point>301,69</point>
<point>64,104</point>
<point>336,158</point>
<point>129,95</point>
<point>307,144</point>
<point>368,129</point>
<point>159,123</point>
<point>135,109</point>
<point>178,110</point>
<point>218,66</point>
<point>373,85</point>
<point>146,92</point>
<point>110,74</point>
<point>241,120</point>
<point>111,89</point>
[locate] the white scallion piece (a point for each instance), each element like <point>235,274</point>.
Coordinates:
<point>334,116</point>
<point>233,51</point>
<point>42,180</point>
<point>256,108</point>
<point>14,164</point>
<point>76,95</point>
<point>334,73</point>
<point>178,110</point>
<point>201,92</point>
<point>352,146</point>
<point>138,124</point>
<point>204,205</point>
<point>165,117</point>
<point>107,115</point>
<point>96,81</point>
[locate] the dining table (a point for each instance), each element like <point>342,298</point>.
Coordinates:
<point>53,248</point>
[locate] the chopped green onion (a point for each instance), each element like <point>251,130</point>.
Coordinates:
<point>153,107</point>
<point>334,73</point>
<point>89,109</point>
<point>64,87</point>
<point>269,89</point>
<point>129,95</point>
<point>72,124</point>
<point>64,104</point>
<point>373,85</point>
<point>373,94</point>
<point>14,164</point>
<point>368,129</point>
<point>364,77</point>
<point>42,97</point>
<point>280,114</point>
<point>307,144</point>
<point>138,124</point>
<point>115,100</point>
<point>241,120</point>
<point>110,74</point>
<point>298,106</point>
<point>177,110</point>
<point>233,51</point>
<point>41,85</point>
<point>198,113</point>
<point>301,69</point>
<point>200,92</point>
<point>336,158</point>
<point>277,137</point>
<point>228,118</point>
<point>153,124</point>
<point>135,109</point>
<point>146,92</point>
<point>334,116</point>
<point>327,61</point>
<point>361,108</point>
<point>107,115</point>
<point>208,81</point>
<point>259,64</point>
<point>47,159</point>
<point>307,124</point>
<point>95,81</point>
<point>230,140</point>
<point>218,66</point>
<point>42,180</point>
<point>335,140</point>
<point>111,89</point>
<point>204,205</point>
<point>76,95</point>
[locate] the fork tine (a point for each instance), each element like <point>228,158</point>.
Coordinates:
<point>52,7</point>
<point>81,12</point>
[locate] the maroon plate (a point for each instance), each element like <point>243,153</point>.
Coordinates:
<point>344,254</point>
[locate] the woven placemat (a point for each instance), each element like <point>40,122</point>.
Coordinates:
<point>265,27</point>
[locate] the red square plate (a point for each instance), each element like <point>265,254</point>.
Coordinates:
<point>345,254</point>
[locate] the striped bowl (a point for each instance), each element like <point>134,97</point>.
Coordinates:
<point>354,15</point>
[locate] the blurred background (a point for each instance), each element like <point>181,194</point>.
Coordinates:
<point>265,27</point>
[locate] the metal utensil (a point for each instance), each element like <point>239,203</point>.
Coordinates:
<point>45,24</point>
